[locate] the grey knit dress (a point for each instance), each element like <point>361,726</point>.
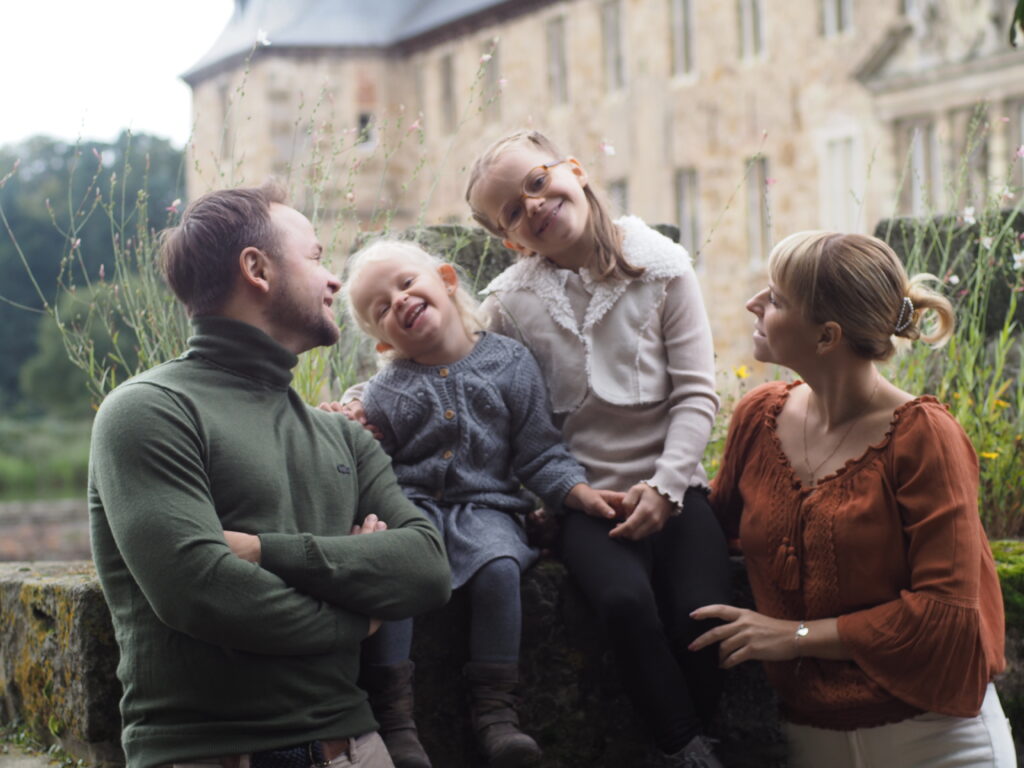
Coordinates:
<point>463,438</point>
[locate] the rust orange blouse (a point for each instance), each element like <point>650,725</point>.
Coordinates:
<point>890,544</point>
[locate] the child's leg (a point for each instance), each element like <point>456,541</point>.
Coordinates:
<point>387,678</point>
<point>496,613</point>
<point>391,644</point>
<point>493,669</point>
<point>691,569</point>
<point>615,575</point>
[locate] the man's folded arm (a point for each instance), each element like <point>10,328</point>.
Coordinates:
<point>392,574</point>
<point>147,468</point>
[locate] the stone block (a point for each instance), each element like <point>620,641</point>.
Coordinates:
<point>58,658</point>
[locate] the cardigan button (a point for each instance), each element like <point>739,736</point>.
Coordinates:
<point>449,414</point>
<point>442,372</point>
<point>447,455</point>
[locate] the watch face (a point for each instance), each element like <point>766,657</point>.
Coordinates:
<point>802,631</point>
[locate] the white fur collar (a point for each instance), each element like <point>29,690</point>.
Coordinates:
<point>644,247</point>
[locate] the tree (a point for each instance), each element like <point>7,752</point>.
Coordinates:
<point>61,205</point>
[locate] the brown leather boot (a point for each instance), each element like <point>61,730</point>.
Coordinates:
<point>493,700</point>
<point>390,691</point>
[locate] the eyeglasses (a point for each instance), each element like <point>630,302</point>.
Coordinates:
<point>535,184</point>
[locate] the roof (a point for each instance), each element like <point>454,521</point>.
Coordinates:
<point>330,24</point>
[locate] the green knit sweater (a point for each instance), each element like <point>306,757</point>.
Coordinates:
<point>220,656</point>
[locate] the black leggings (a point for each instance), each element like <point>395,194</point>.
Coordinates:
<point>643,592</point>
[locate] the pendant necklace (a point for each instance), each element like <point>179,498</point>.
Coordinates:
<point>813,471</point>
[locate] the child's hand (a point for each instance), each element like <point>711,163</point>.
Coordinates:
<point>647,511</point>
<point>354,411</point>
<point>541,530</point>
<point>605,504</point>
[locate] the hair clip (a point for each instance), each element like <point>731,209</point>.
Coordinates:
<point>906,315</point>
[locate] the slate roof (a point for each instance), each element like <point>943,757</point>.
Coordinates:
<point>331,24</point>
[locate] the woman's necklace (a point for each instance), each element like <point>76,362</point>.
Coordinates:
<point>813,471</point>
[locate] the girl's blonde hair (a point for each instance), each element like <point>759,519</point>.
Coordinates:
<point>860,283</point>
<point>385,249</point>
<point>609,260</point>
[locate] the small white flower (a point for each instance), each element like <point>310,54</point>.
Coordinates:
<point>1020,151</point>
<point>607,148</point>
<point>953,280</point>
<point>969,215</point>
<point>350,197</point>
<point>261,37</point>
<point>502,82</point>
<point>485,58</point>
<point>1006,194</point>
<point>986,243</point>
<point>1018,260</point>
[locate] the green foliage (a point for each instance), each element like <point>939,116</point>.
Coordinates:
<point>978,262</point>
<point>43,458</point>
<point>1009,557</point>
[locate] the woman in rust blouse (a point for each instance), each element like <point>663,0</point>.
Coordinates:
<point>879,615</point>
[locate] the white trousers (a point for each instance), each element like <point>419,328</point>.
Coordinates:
<point>926,741</point>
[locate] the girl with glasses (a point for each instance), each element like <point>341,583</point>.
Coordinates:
<point>613,313</point>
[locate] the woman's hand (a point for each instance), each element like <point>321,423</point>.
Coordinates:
<point>746,636</point>
<point>354,411</point>
<point>646,512</point>
<point>605,504</point>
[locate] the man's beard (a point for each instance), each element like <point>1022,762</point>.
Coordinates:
<point>286,311</point>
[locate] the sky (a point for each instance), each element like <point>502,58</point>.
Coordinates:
<point>90,68</point>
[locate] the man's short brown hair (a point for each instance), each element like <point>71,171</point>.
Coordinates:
<point>199,257</point>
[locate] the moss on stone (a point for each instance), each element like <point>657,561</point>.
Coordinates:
<point>1009,557</point>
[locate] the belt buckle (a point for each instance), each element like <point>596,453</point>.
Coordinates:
<point>316,755</point>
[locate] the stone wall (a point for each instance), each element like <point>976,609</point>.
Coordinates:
<point>58,658</point>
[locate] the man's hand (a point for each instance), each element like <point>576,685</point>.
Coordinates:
<point>605,504</point>
<point>354,411</point>
<point>646,510</point>
<point>371,524</point>
<point>244,545</point>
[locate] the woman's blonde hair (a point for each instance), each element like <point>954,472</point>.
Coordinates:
<point>385,249</point>
<point>609,260</point>
<point>858,282</point>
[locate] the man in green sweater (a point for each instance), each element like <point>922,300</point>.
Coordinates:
<point>246,542</point>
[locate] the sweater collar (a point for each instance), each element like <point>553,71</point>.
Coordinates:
<point>242,349</point>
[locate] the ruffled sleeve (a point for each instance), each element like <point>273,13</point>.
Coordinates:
<point>748,417</point>
<point>930,646</point>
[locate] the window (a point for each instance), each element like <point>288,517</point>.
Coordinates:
<point>971,141</point>
<point>448,117</point>
<point>558,80</point>
<point>227,135</point>
<point>611,34</point>
<point>687,205</point>
<point>489,60</point>
<point>839,185</point>
<point>751,27</point>
<point>1017,140</point>
<point>759,234</point>
<point>836,16</point>
<point>681,28</point>
<point>919,157</point>
<point>618,196</point>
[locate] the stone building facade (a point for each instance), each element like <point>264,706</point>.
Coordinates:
<point>739,120</point>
